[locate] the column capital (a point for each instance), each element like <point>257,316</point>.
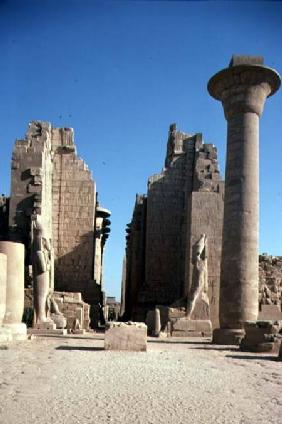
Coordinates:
<point>244,87</point>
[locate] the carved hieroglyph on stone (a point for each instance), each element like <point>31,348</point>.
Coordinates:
<point>242,88</point>
<point>15,288</point>
<point>126,336</point>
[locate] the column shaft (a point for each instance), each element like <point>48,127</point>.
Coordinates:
<point>239,266</point>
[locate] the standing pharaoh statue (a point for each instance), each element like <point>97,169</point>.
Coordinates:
<point>200,275</point>
<point>41,270</point>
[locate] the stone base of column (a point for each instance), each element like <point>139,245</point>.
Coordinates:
<point>228,336</point>
<point>18,331</point>
<point>261,336</point>
<point>5,335</point>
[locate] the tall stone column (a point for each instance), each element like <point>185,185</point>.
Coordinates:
<point>15,288</point>
<point>242,88</point>
<point>5,333</point>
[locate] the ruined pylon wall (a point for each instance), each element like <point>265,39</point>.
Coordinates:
<point>50,179</point>
<point>164,251</point>
<point>74,193</point>
<point>183,201</point>
<point>205,215</point>
<point>31,182</point>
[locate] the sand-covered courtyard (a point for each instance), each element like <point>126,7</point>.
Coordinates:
<point>71,380</point>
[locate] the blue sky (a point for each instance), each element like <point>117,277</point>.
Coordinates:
<point>119,73</point>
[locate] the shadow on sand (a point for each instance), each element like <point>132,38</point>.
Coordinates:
<point>257,357</point>
<point>218,348</point>
<point>82,348</point>
<point>163,341</point>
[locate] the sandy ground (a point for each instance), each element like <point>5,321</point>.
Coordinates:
<point>70,380</point>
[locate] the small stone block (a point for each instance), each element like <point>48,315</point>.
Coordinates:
<point>131,336</point>
<point>184,327</point>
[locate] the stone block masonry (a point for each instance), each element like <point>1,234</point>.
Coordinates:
<point>130,336</point>
<point>73,211</point>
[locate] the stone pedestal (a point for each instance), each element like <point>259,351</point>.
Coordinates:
<point>15,288</point>
<point>47,328</point>
<point>183,327</point>
<point>242,88</point>
<point>261,336</point>
<point>126,336</point>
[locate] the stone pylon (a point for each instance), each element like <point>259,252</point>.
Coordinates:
<point>242,88</point>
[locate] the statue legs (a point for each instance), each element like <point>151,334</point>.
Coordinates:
<point>41,291</point>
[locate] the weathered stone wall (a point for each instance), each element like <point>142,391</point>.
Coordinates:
<point>178,211</point>
<point>31,182</point>
<point>205,216</point>
<point>74,193</point>
<point>270,280</point>
<point>50,179</point>
<point>165,223</point>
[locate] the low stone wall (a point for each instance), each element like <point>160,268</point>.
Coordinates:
<point>70,304</point>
